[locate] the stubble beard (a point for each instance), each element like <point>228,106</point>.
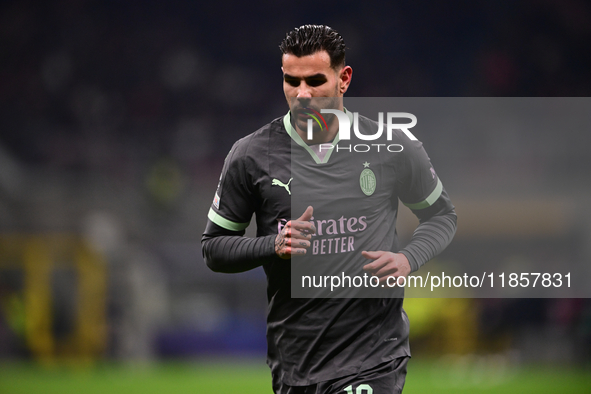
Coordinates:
<point>314,104</point>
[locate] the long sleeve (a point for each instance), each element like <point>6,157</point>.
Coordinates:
<point>229,252</point>
<point>435,231</point>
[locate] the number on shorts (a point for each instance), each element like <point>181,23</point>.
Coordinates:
<point>361,389</point>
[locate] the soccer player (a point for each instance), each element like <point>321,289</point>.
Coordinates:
<point>326,345</point>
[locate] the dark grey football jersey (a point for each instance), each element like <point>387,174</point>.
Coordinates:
<point>355,194</point>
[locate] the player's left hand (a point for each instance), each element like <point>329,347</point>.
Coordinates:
<point>386,264</point>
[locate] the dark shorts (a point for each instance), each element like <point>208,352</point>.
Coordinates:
<point>386,378</point>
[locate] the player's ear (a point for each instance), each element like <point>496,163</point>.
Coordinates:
<point>345,76</point>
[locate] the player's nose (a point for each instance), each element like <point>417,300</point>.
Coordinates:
<point>304,91</point>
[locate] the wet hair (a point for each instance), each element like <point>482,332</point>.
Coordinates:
<point>308,39</point>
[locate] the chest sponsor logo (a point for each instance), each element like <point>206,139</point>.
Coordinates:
<point>367,180</point>
<point>333,235</point>
<point>277,182</point>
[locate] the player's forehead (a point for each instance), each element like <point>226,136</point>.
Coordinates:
<point>305,66</point>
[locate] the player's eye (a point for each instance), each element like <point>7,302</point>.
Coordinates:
<point>293,82</point>
<point>316,82</point>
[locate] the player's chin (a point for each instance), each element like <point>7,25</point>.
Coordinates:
<point>302,120</point>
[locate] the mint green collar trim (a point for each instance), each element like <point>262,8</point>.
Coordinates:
<point>298,140</point>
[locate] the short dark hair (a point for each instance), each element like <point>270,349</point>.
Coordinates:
<point>308,39</point>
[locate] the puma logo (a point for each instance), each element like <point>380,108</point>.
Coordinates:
<point>277,182</point>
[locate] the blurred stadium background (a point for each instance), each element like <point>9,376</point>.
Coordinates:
<point>115,118</point>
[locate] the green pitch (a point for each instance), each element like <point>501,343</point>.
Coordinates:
<point>252,376</point>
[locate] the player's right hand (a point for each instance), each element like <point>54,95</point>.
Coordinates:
<point>294,238</point>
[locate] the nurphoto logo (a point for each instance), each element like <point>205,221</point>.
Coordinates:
<point>345,129</point>
<point>345,124</point>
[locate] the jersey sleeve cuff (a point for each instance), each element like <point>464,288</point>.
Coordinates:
<point>225,223</point>
<point>414,265</point>
<point>430,200</point>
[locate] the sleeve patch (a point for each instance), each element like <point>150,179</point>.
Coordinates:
<point>216,201</point>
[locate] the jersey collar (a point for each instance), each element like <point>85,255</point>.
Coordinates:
<point>298,140</point>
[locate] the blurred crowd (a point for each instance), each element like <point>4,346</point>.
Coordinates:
<point>143,99</point>
<point>107,85</point>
